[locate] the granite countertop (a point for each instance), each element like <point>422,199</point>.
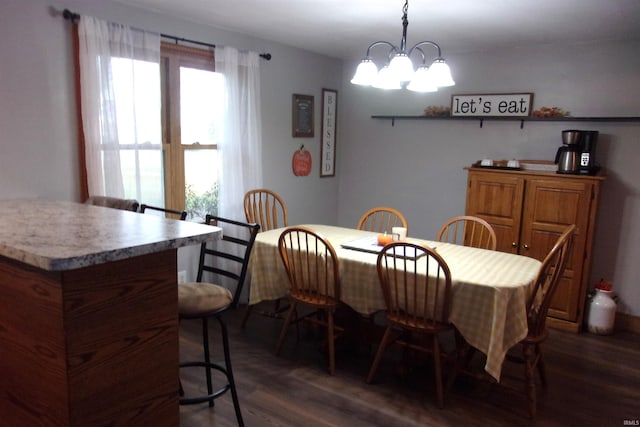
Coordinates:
<point>59,236</point>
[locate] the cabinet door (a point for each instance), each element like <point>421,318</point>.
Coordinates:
<point>497,199</point>
<point>550,206</point>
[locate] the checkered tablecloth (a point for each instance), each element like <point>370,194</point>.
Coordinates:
<point>489,288</point>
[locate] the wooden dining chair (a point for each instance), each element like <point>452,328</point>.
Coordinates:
<point>382,219</point>
<point>468,230</point>
<point>168,213</point>
<point>538,302</point>
<point>226,262</point>
<point>313,271</point>
<point>416,286</point>
<point>266,208</point>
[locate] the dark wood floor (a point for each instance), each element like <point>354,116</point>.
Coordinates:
<point>593,381</point>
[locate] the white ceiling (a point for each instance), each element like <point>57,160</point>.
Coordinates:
<point>344,28</point>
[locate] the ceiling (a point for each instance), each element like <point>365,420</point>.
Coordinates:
<point>344,28</point>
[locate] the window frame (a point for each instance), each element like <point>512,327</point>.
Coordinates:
<point>172,57</point>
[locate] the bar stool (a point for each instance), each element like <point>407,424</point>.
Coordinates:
<point>169,213</point>
<point>227,259</point>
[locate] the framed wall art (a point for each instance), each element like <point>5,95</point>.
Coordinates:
<point>328,133</point>
<point>302,116</point>
<point>492,105</point>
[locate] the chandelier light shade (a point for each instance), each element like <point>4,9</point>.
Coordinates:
<point>386,79</point>
<point>399,72</point>
<point>440,73</point>
<point>366,73</point>
<point>422,81</point>
<point>401,67</point>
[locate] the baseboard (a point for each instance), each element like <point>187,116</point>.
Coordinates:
<point>627,323</point>
<point>623,323</point>
<point>563,325</point>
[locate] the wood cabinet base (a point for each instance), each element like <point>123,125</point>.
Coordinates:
<point>90,347</point>
<point>528,212</point>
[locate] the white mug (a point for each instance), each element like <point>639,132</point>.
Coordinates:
<point>400,231</point>
<point>513,164</point>
<point>486,162</point>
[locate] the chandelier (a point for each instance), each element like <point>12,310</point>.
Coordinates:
<point>399,71</point>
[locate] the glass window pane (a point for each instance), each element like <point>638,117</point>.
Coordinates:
<point>201,182</point>
<point>142,175</point>
<point>200,106</point>
<point>137,98</point>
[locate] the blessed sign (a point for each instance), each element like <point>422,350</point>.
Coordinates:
<point>492,105</point>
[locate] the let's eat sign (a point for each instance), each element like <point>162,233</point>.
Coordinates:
<point>492,105</point>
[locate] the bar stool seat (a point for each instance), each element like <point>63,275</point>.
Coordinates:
<point>199,299</point>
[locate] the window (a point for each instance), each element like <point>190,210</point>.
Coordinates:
<point>192,95</point>
<point>177,148</point>
<point>166,146</point>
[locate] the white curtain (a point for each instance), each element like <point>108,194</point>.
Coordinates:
<point>121,112</point>
<point>241,145</point>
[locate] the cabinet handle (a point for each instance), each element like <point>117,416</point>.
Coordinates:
<point>525,246</point>
<point>514,244</point>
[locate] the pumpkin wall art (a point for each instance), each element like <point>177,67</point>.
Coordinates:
<point>301,162</point>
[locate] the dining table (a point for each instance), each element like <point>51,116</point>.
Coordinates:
<point>488,294</point>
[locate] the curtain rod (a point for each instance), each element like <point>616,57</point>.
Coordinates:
<point>71,16</point>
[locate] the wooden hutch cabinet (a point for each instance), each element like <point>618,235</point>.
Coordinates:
<point>528,211</point>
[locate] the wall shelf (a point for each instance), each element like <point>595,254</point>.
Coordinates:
<point>512,119</point>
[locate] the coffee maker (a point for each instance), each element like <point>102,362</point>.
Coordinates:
<point>568,155</point>
<point>576,156</point>
<point>587,162</point>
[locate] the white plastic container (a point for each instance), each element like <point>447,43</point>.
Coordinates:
<point>602,313</point>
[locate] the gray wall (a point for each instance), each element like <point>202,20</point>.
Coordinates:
<point>38,155</point>
<point>416,166</point>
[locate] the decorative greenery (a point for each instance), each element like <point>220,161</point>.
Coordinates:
<point>437,111</point>
<point>550,112</point>
<point>199,205</point>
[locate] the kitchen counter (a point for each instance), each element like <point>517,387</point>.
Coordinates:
<point>89,314</point>
<point>58,236</point>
